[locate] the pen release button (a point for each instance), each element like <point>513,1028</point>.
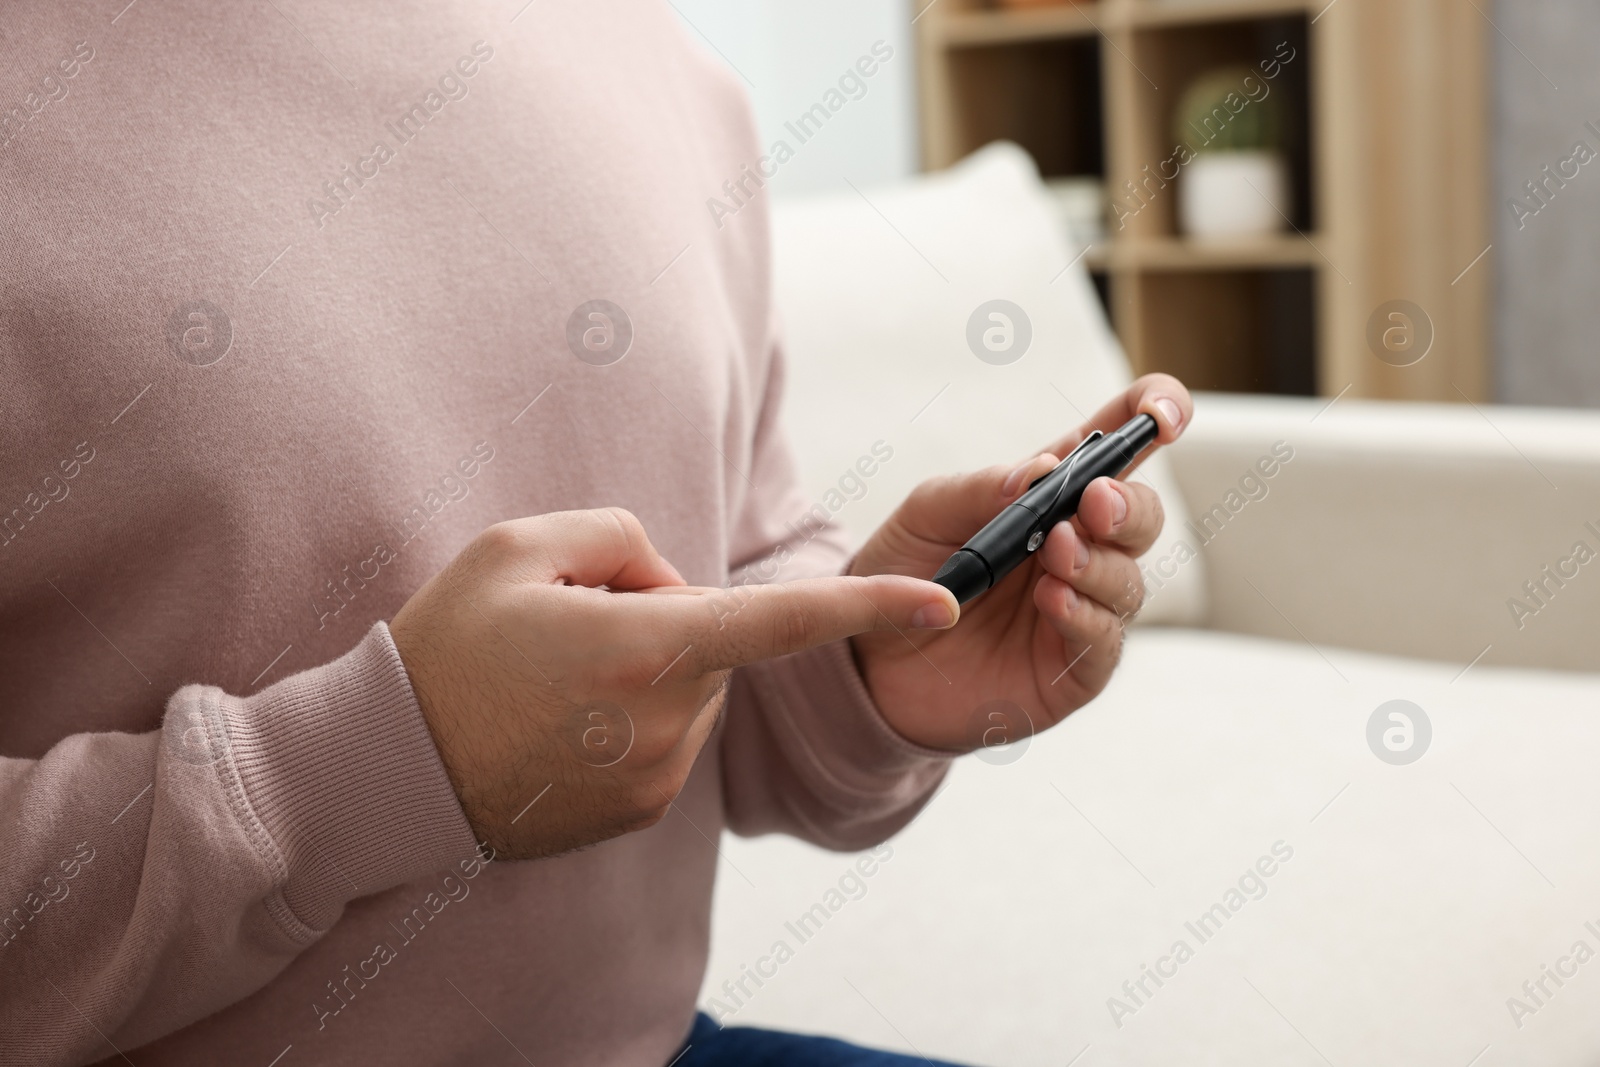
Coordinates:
<point>1036,540</point>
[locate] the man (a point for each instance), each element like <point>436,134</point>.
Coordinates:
<point>294,338</point>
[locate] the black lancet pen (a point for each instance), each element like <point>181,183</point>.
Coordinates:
<point>1018,531</point>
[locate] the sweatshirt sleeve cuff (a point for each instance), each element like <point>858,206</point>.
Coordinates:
<point>824,718</point>
<point>337,766</point>
<point>835,681</point>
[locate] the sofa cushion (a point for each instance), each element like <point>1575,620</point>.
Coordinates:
<point>1416,902</point>
<point>876,288</point>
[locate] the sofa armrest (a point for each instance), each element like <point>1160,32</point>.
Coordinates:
<point>1423,530</point>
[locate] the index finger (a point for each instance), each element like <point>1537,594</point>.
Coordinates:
<point>1160,396</point>
<point>747,624</point>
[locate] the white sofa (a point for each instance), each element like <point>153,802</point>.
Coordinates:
<point>1378,565</point>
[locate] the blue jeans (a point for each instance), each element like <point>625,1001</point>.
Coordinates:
<point>710,1045</point>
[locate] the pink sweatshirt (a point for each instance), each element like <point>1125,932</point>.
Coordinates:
<point>287,317</point>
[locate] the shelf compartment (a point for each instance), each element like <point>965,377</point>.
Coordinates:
<point>1168,59</point>
<point>1388,174</point>
<point>1045,96</point>
<point>1239,331</point>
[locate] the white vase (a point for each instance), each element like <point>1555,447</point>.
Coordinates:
<point>1234,194</point>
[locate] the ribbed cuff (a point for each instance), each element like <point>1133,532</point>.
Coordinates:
<point>823,715</point>
<point>338,766</point>
<point>834,678</point>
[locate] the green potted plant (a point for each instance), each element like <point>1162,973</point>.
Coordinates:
<point>1237,182</point>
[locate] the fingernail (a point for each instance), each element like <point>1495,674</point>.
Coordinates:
<point>1172,411</point>
<point>935,616</point>
<point>1014,480</point>
<point>1071,598</point>
<point>1119,510</point>
<point>1080,551</point>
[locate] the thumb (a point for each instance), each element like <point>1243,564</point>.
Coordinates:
<point>758,622</point>
<point>950,509</point>
<point>607,546</point>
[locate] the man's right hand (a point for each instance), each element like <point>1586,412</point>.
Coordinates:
<point>562,652</point>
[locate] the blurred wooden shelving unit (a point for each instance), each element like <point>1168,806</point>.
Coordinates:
<point>1388,158</point>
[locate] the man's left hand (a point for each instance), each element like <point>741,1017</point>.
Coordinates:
<point>1048,636</point>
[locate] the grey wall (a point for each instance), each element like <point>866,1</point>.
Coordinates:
<point>1546,88</point>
